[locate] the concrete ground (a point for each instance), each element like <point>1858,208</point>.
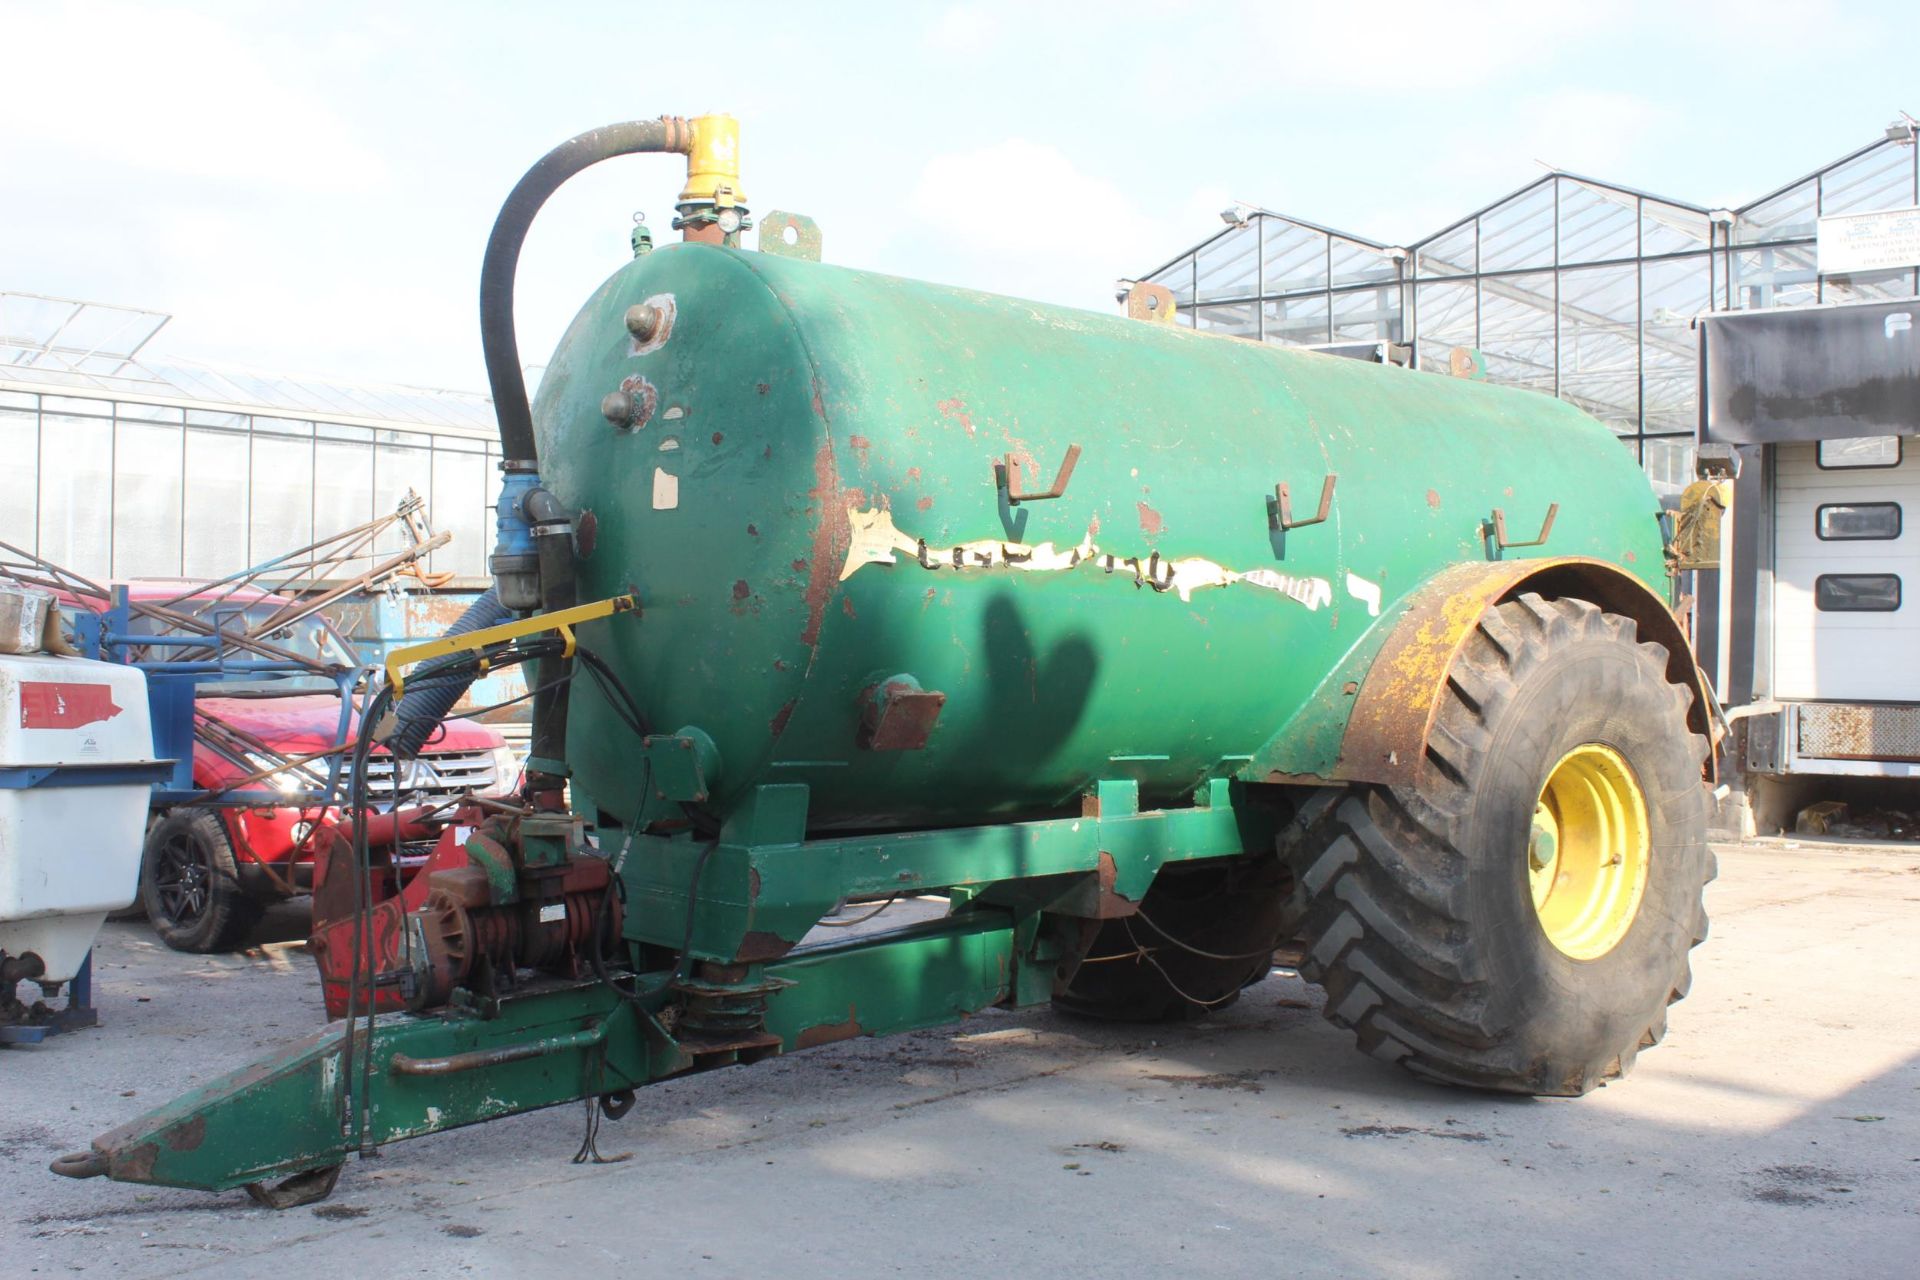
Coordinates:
<point>1776,1132</point>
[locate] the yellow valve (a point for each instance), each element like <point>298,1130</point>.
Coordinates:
<point>713,161</point>
<point>561,620</point>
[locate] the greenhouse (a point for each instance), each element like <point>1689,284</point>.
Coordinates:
<point>1571,286</point>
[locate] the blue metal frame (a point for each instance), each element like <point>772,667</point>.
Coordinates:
<point>18,777</point>
<point>174,686</point>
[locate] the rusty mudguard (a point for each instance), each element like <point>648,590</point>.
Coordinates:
<point>1385,740</point>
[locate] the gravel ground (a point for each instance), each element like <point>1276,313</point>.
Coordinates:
<point>1776,1132</point>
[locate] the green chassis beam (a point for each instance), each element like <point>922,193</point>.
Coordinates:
<point>304,1106</point>
<point>763,887</point>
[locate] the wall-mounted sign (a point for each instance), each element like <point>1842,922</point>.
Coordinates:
<point>1883,241</point>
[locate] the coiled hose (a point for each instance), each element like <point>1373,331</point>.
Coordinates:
<point>432,691</point>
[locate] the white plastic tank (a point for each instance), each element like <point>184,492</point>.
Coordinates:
<point>73,807</point>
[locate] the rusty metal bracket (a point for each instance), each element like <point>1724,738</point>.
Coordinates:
<point>1147,301</point>
<point>896,714</point>
<point>790,235</point>
<point>1010,471</point>
<point>1283,506</point>
<point>1500,540</point>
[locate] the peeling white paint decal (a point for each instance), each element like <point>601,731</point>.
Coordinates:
<point>875,540</point>
<point>1367,593</point>
<point>1311,592</point>
<point>666,490</point>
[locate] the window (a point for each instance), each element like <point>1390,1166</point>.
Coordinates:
<point>1857,521</point>
<point>1856,593</point>
<point>1861,451</point>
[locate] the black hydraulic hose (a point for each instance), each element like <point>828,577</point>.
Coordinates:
<point>549,741</point>
<point>498,343</point>
<point>433,690</point>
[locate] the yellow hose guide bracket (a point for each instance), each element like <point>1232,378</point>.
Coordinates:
<point>563,621</point>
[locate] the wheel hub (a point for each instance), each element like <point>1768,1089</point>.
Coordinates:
<point>1589,851</point>
<point>184,881</point>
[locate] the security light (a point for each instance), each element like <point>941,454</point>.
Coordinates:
<point>1235,214</point>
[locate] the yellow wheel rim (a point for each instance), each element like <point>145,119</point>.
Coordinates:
<point>1588,853</point>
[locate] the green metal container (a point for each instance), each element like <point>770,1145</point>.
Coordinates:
<point>801,425</point>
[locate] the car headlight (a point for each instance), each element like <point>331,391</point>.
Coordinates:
<point>506,769</point>
<point>286,779</point>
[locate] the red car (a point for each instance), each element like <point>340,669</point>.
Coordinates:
<point>209,871</point>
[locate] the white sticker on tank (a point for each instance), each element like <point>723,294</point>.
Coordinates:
<point>1367,593</point>
<point>666,490</point>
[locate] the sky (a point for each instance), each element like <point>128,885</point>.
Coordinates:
<point>308,188</point>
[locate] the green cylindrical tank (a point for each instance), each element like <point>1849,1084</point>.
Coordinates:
<point>806,450</point>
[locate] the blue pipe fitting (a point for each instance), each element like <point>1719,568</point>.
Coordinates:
<point>516,561</point>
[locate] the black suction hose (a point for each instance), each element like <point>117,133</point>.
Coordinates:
<point>549,523</point>
<point>497,340</point>
<point>433,691</point>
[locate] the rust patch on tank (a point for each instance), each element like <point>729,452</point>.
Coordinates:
<point>925,504</point>
<point>913,474</point>
<point>779,722</point>
<point>846,606</point>
<point>830,1032</point>
<point>1150,522</point>
<point>956,409</point>
<point>753,530</point>
<point>586,534</point>
<point>829,540</point>
<point>1433,499</point>
<point>718,436</point>
<point>819,402</point>
<point>762,387</point>
<point>860,445</point>
<point>799,566</point>
<point>646,398</point>
<point>741,590</point>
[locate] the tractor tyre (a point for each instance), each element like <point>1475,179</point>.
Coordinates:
<point>1203,931</point>
<point>1520,918</point>
<point>190,884</point>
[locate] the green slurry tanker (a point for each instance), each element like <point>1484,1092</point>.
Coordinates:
<point>1151,652</point>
